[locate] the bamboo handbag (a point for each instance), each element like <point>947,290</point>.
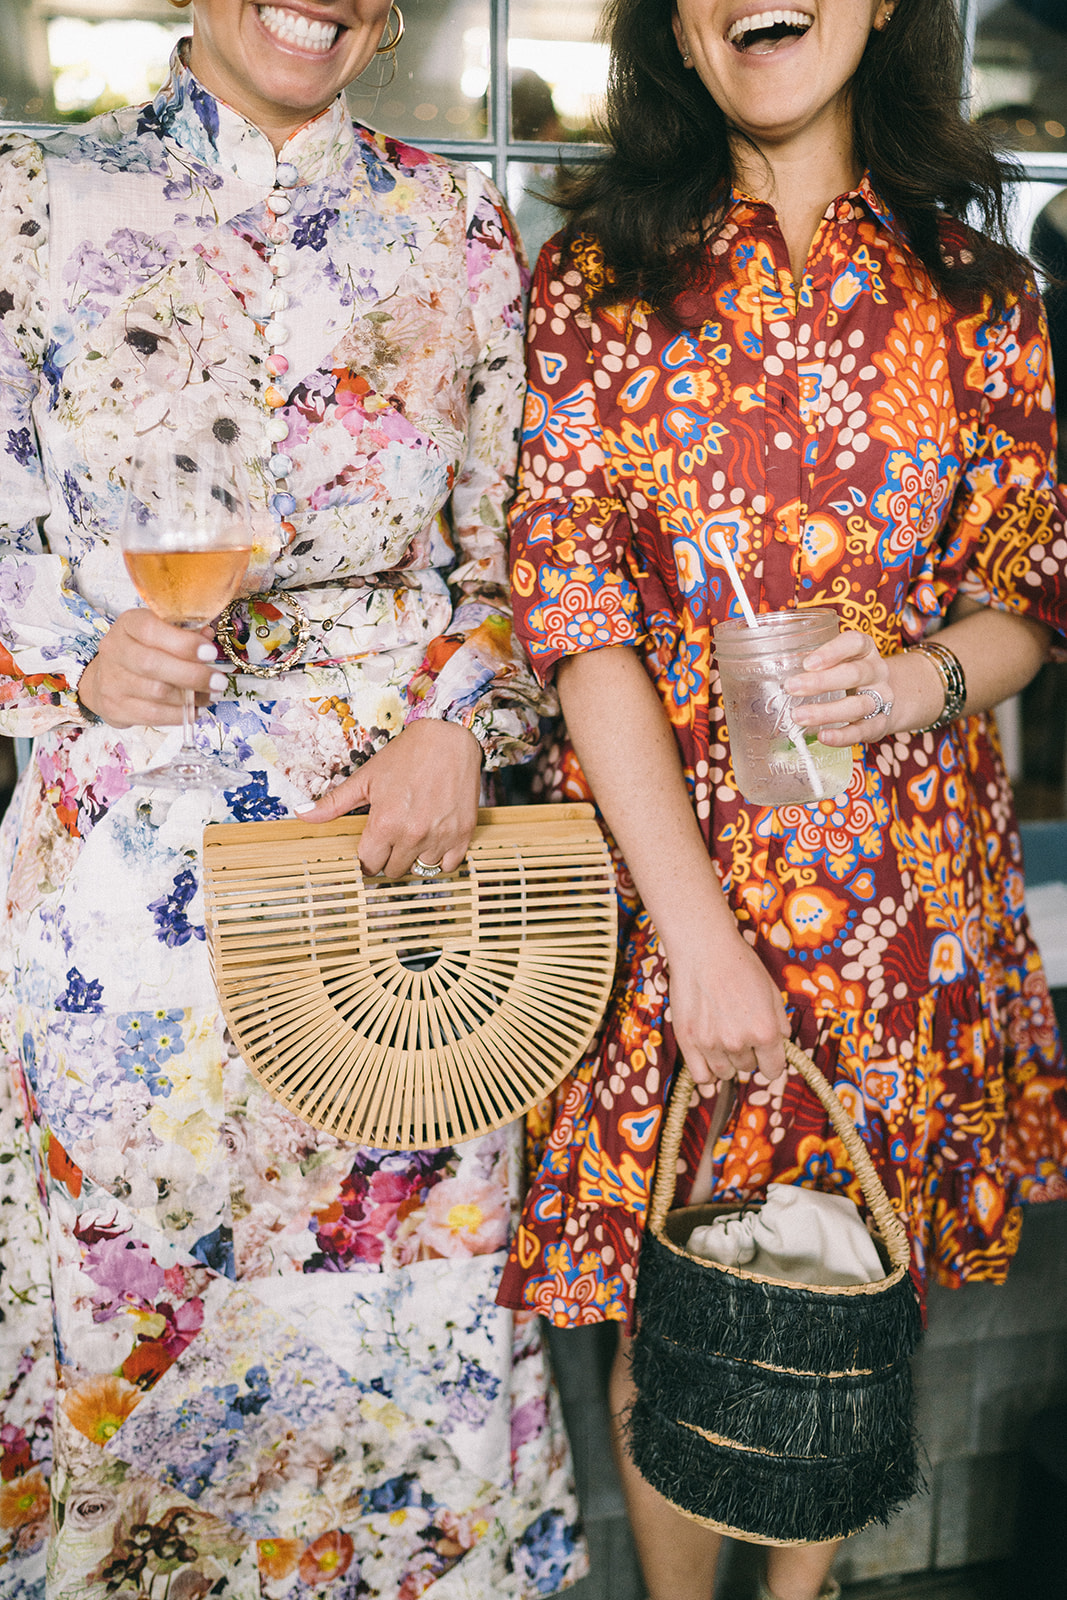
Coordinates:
<point>769,1411</point>
<point>410,1013</point>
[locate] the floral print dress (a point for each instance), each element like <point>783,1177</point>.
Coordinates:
<point>860,445</point>
<point>252,1360</point>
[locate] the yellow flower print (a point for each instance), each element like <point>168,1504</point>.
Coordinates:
<point>99,1406</point>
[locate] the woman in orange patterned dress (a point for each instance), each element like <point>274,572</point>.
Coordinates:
<point>768,321</point>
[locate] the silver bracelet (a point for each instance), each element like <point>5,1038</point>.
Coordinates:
<point>951,675</point>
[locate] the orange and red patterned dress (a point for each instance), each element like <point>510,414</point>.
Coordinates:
<point>865,446</point>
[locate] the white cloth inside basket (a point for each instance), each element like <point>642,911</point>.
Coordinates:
<point>798,1235</point>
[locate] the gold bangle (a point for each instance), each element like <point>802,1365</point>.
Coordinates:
<point>952,676</point>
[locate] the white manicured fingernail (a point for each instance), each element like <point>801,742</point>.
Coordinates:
<point>206,652</point>
<point>307,805</point>
<point>218,682</point>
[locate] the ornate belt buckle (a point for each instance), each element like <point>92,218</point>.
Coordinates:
<point>225,635</point>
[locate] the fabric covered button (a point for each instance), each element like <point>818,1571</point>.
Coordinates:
<point>279,204</point>
<point>277,427</point>
<point>275,397</point>
<point>280,466</point>
<point>277,365</point>
<point>283,504</point>
<point>281,264</point>
<point>286,175</point>
<point>275,333</point>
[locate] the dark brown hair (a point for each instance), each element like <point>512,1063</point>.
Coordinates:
<point>657,199</point>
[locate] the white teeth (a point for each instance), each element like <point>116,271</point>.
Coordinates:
<point>298,30</point>
<point>768,19</point>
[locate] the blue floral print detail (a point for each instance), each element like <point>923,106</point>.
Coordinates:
<point>172,924</point>
<point>20,445</point>
<point>239,1406</point>
<point>312,230</point>
<point>76,502</point>
<point>153,1038</point>
<point>215,1250</point>
<point>253,802</point>
<point>206,107</point>
<point>81,994</point>
<point>546,1550</point>
<point>470,1398</point>
<point>379,179</point>
<point>395,1495</point>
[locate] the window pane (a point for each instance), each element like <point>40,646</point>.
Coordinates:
<point>442,75</point>
<point>67,68</point>
<point>558,69</point>
<point>528,184</point>
<point>1020,73</point>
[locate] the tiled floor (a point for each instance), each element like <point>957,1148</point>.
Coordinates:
<point>970,1583</point>
<point>953,1542</point>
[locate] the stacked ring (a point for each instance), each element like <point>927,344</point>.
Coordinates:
<point>426,869</point>
<point>882,707</point>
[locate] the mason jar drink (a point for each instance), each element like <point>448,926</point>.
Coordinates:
<point>776,763</point>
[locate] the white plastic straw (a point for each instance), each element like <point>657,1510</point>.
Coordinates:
<point>792,730</point>
<point>718,539</point>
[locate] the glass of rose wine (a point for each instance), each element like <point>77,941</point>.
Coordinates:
<point>186,540</point>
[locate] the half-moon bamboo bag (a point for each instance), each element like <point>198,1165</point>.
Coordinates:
<point>412,1012</point>
<point>775,1412</point>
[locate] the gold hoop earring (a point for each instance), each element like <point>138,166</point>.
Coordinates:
<point>390,44</point>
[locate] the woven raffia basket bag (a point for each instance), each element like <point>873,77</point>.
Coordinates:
<point>410,1013</point>
<point>775,1412</point>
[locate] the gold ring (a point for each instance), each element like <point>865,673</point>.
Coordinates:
<point>426,869</point>
<point>267,669</point>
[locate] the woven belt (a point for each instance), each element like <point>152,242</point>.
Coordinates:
<point>227,639</point>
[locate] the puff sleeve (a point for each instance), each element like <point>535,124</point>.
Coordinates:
<point>48,633</point>
<point>477,674</point>
<point>573,578</point>
<point>1005,539</point>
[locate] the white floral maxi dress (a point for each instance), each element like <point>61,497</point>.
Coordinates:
<point>278,1369</point>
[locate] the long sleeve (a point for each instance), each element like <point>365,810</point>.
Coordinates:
<point>476,674</point>
<point>1005,540</point>
<point>572,570</point>
<point>48,633</point>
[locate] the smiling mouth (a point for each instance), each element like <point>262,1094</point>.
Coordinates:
<point>764,31</point>
<point>289,27</point>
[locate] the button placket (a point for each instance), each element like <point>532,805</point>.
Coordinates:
<point>275,332</point>
<point>783,467</point>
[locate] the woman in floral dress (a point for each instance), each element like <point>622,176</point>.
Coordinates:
<point>254,1361</point>
<point>766,322</point>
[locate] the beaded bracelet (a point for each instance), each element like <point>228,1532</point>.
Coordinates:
<point>951,674</point>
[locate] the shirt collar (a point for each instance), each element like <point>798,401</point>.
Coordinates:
<point>864,193</point>
<point>223,140</point>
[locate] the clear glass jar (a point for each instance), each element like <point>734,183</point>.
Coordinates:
<point>775,762</point>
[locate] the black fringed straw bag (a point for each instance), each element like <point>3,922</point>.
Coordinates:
<point>770,1411</point>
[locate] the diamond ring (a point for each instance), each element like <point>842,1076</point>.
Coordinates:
<point>882,708</point>
<point>425,869</point>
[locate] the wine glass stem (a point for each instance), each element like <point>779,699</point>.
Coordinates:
<point>188,722</point>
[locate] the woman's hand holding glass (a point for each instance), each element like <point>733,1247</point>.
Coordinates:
<point>186,539</point>
<point>872,703</point>
<point>143,668</point>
